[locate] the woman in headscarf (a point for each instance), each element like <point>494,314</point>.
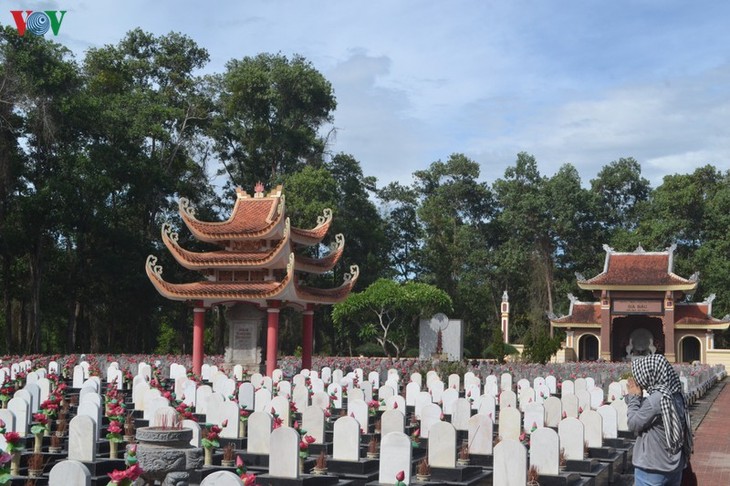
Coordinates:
<point>660,422</point>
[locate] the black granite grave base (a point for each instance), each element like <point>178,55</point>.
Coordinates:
<point>261,460</point>
<point>23,480</point>
<point>458,474</point>
<point>238,444</point>
<point>305,480</point>
<point>102,467</point>
<point>482,460</point>
<point>564,479</point>
<point>316,449</point>
<point>363,466</point>
<point>608,455</point>
<point>591,468</point>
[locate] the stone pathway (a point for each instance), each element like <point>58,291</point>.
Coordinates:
<point>711,460</point>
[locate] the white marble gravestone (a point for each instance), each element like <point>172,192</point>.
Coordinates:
<point>262,400</point>
<point>442,445</point>
<point>82,439</point>
<point>321,400</point>
<point>359,410</point>
<point>488,407</point>
<point>21,410</point>
<point>346,439</point>
<point>609,416</point>
<point>461,413</point>
<point>285,441</point>
<point>430,415</point>
<point>480,434</point>
<point>202,394</point>
<point>534,417</point>
<point>452,337</point>
<point>448,399</point>
<point>195,427</point>
<point>259,432</point>
<point>572,437</point>
<point>69,472</point>
<point>392,421</point>
<point>570,405</point>
<point>396,455</point>
<point>505,382</point>
<point>510,423</point>
<point>507,399</point>
<point>510,463</point>
<point>593,424</point>
<point>545,451</point>
<point>313,423</point>
<point>246,395</point>
<point>621,414</point>
<point>222,478</point>
<point>553,411</point>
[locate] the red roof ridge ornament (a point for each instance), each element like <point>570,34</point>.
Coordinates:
<point>258,190</point>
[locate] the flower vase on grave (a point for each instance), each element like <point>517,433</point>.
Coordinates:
<point>208,456</point>
<point>38,443</point>
<point>301,464</point>
<point>15,464</point>
<point>113,448</point>
<point>242,428</point>
<point>47,430</point>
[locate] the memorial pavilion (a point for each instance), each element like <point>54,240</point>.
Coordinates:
<point>641,309</point>
<point>256,270</point>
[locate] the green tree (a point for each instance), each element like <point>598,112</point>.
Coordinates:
<point>269,112</point>
<point>388,311</point>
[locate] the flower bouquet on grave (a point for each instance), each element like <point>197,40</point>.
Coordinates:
<point>210,441</point>
<point>14,447</point>
<point>114,436</point>
<point>243,414</point>
<point>278,422</point>
<point>185,412</point>
<point>126,477</point>
<point>6,393</point>
<point>416,438</point>
<point>373,406</point>
<point>38,430</point>
<point>248,479</point>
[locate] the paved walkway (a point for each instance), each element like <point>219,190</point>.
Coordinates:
<point>711,420</point>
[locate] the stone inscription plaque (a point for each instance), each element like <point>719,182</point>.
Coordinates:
<point>637,306</point>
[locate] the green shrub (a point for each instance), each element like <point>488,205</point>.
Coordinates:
<point>370,349</point>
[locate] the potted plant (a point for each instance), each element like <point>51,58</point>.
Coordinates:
<point>463,459</point>
<point>533,477</point>
<point>320,466</point>
<point>129,428</point>
<point>228,455</point>
<point>372,452</point>
<point>562,460</point>
<point>55,447</point>
<point>423,471</point>
<point>35,465</point>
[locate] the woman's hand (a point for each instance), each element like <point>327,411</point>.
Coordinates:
<point>632,387</point>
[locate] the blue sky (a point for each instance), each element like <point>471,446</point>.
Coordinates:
<point>581,82</point>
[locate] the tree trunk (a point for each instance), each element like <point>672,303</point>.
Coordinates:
<point>34,324</point>
<point>7,302</point>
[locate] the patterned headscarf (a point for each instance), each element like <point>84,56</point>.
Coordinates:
<point>653,373</point>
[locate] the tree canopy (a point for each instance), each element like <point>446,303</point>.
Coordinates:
<point>95,153</point>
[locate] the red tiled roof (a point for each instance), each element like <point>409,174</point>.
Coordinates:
<point>250,218</point>
<point>583,313</point>
<point>329,296</point>
<point>637,269</point>
<point>311,237</point>
<point>222,258</point>
<point>694,314</point>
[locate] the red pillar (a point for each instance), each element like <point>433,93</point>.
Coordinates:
<point>272,336</point>
<point>198,328</point>
<point>307,337</point>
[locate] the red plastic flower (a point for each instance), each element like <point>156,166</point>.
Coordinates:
<point>400,476</point>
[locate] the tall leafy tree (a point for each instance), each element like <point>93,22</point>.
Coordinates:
<point>269,112</point>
